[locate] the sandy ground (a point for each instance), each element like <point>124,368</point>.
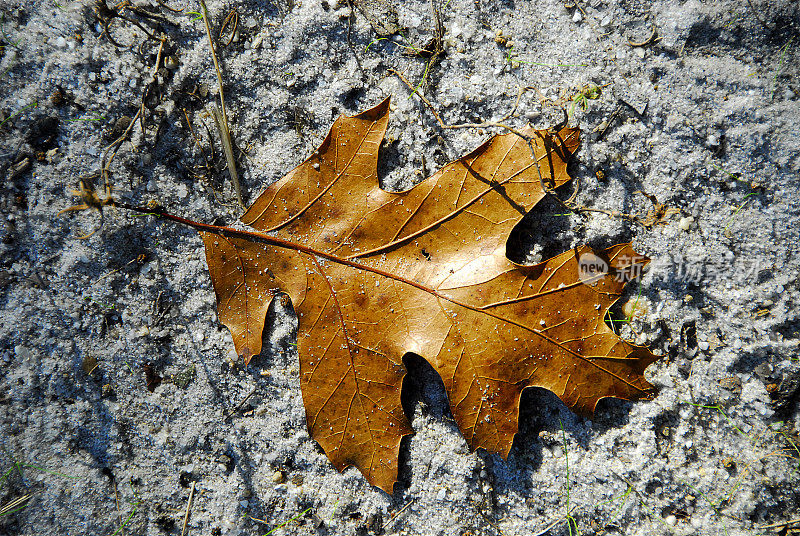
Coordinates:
<point>705,116</point>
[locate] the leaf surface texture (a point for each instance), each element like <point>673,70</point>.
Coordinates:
<point>374,275</point>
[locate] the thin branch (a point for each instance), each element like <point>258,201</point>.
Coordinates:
<point>485,124</point>
<point>782,524</point>
<point>222,123</point>
<point>240,404</point>
<point>652,38</point>
<point>547,137</point>
<point>188,509</point>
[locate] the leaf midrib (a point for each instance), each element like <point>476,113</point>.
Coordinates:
<point>260,237</point>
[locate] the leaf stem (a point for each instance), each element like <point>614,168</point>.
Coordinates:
<point>287,522</point>
<point>255,236</point>
<point>745,200</point>
<point>780,66</point>
<point>15,114</point>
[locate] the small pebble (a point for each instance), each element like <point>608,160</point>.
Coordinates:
<point>60,42</point>
<point>686,223</point>
<point>22,352</point>
<point>606,21</point>
<point>245,503</point>
<point>278,477</point>
<point>639,51</point>
<point>670,520</point>
<point>763,370</point>
<point>703,345</point>
<point>441,495</point>
<point>577,17</point>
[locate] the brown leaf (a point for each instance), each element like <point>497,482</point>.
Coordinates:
<point>374,275</point>
<point>151,377</point>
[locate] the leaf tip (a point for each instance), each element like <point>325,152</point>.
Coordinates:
<point>246,355</point>
<point>377,111</point>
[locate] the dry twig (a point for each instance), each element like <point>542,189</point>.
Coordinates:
<point>188,509</point>
<point>221,118</point>
<point>547,139</point>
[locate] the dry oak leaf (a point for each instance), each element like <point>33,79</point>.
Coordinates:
<point>373,275</point>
